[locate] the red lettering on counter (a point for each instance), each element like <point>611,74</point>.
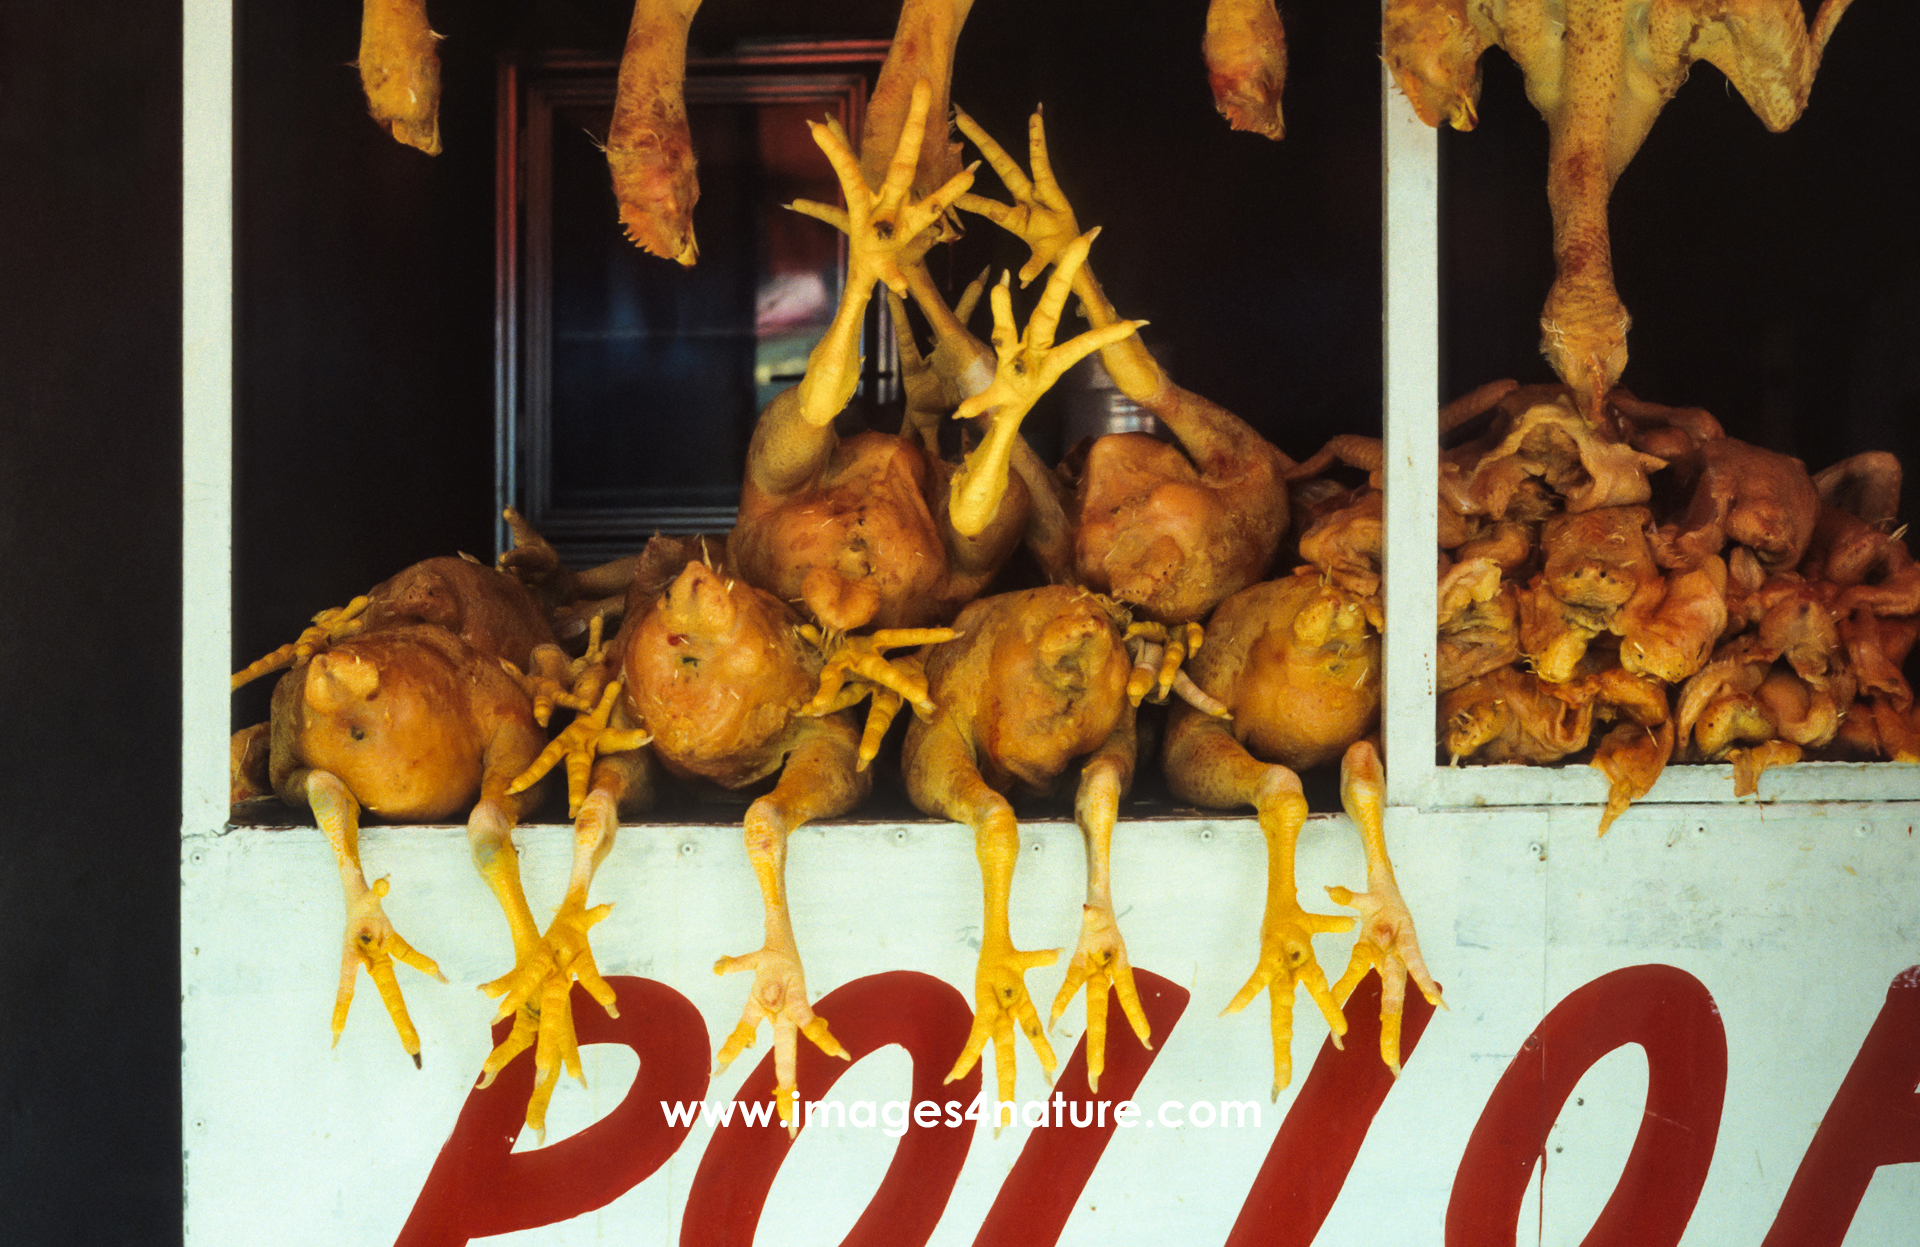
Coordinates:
<point>1874,1120</point>
<point>1669,1013</point>
<point>1314,1151</point>
<point>1037,1197</point>
<point>478,1187</point>
<point>917,1011</point>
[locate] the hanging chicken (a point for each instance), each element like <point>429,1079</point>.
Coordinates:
<point>400,71</point>
<point>1599,71</point>
<point>1246,54</point>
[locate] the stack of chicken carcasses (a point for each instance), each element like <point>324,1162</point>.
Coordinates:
<point>1654,590</point>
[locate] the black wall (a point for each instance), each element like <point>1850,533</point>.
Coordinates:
<point>89,622</point>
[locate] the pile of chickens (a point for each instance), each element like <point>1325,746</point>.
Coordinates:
<point>1614,567</point>
<point>741,662</point>
<point>1648,586</point>
<point>1607,563</point>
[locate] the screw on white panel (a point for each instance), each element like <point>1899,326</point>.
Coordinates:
<point>1538,848</point>
<point>1862,831</point>
<point>194,857</point>
<point>900,836</point>
<point>1699,829</point>
<point>1035,846</point>
<point>1206,834</point>
<point>686,848</point>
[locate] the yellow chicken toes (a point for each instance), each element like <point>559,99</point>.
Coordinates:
<point>1000,999</point>
<point>1100,962</point>
<point>1029,364</point>
<point>1039,215</point>
<point>551,682</point>
<point>584,740</point>
<point>373,943</point>
<point>547,1022</point>
<point>1159,651</point>
<point>1387,941</point>
<point>779,996</point>
<point>1287,961</point>
<point>863,658</point>
<point>329,626</point>
<point>881,713</point>
<point>537,993</point>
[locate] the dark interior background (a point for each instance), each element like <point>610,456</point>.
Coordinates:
<point>1773,278</point>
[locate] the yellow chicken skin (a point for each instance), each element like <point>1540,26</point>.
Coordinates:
<point>922,51</point>
<point>400,71</point>
<point>1298,666</point>
<point>1169,531</point>
<point>718,672</point>
<point>1036,680</point>
<point>1599,72</point>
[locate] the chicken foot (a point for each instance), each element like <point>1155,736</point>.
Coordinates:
<point>1029,364</point>
<point>1100,958</point>
<point>1000,990</point>
<point>371,940</point>
<point>882,226</point>
<point>1206,765</point>
<point>1387,941</point>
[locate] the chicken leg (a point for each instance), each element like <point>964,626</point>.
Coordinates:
<point>1206,765</point>
<point>816,783</point>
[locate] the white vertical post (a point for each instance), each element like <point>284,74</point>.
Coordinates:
<point>206,409</point>
<point>1410,267</point>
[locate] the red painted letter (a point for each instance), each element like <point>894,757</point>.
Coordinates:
<point>478,1187</point>
<point>1313,1153</point>
<point>1032,1206</point>
<point>1671,1015</point>
<point>917,1011</point>
<point>1874,1120</point>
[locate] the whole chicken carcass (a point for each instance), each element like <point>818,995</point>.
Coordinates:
<point>1297,664</point>
<point>1171,531</point>
<point>719,672</point>
<point>1035,681</point>
<point>415,703</point>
